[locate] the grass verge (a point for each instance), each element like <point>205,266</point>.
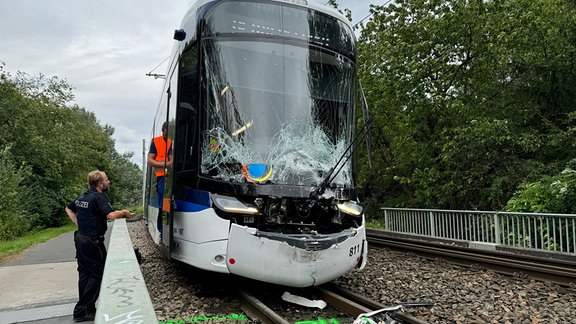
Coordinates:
<point>374,223</point>
<point>13,247</point>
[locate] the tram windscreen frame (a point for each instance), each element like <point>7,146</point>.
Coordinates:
<point>278,98</point>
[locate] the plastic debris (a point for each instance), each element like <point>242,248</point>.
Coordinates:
<point>379,316</point>
<point>302,301</point>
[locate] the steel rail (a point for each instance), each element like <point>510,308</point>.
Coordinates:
<point>257,310</point>
<point>547,269</point>
<point>355,304</point>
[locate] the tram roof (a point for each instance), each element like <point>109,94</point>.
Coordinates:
<point>304,3</point>
<point>191,16</point>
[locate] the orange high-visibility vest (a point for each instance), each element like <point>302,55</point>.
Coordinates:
<point>161,152</point>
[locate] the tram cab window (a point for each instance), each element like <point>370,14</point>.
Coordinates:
<point>187,111</point>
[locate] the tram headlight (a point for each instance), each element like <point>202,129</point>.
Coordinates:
<point>232,205</point>
<point>351,208</point>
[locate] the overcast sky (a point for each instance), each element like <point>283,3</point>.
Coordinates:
<point>104,50</point>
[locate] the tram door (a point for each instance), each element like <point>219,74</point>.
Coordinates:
<point>166,207</point>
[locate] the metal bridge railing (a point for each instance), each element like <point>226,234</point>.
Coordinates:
<point>551,232</point>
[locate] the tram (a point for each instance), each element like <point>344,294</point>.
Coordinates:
<point>260,101</point>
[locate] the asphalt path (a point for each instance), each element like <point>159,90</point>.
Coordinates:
<point>40,285</point>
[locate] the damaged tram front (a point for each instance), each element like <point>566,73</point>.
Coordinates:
<point>259,100</point>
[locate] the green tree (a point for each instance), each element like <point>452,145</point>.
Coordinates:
<point>128,180</point>
<point>59,143</point>
<point>14,220</point>
<point>471,98</point>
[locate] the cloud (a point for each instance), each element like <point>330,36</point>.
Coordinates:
<point>104,50</point>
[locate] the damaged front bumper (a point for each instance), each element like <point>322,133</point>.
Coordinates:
<point>295,261</point>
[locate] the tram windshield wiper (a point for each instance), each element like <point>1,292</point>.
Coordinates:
<point>346,155</point>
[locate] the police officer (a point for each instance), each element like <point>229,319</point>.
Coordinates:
<point>90,211</point>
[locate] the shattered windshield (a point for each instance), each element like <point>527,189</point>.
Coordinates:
<point>276,112</point>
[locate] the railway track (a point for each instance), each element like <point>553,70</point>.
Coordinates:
<point>560,271</point>
<point>364,309</point>
<point>358,308</point>
<point>183,294</point>
<point>257,309</point>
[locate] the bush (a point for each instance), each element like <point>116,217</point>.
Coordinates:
<point>555,194</point>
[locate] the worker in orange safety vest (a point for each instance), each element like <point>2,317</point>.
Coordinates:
<point>160,157</point>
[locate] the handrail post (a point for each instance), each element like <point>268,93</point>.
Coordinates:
<point>496,228</point>
<point>432,224</point>
<point>386,224</point>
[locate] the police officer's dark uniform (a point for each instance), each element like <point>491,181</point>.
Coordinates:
<point>92,208</point>
<point>90,212</point>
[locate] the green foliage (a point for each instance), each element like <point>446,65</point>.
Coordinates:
<point>531,197</point>
<point>551,194</point>
<point>470,99</point>
<point>58,143</point>
<point>347,13</point>
<point>376,224</point>
<point>14,220</point>
<point>127,181</point>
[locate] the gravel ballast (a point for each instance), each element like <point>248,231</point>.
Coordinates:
<point>460,294</point>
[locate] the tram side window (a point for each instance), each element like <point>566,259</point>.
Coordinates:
<point>188,110</point>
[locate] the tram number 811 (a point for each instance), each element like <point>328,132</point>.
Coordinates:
<point>355,250</point>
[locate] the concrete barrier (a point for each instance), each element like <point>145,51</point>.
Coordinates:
<point>123,296</point>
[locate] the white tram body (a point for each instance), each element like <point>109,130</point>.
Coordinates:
<point>259,99</point>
